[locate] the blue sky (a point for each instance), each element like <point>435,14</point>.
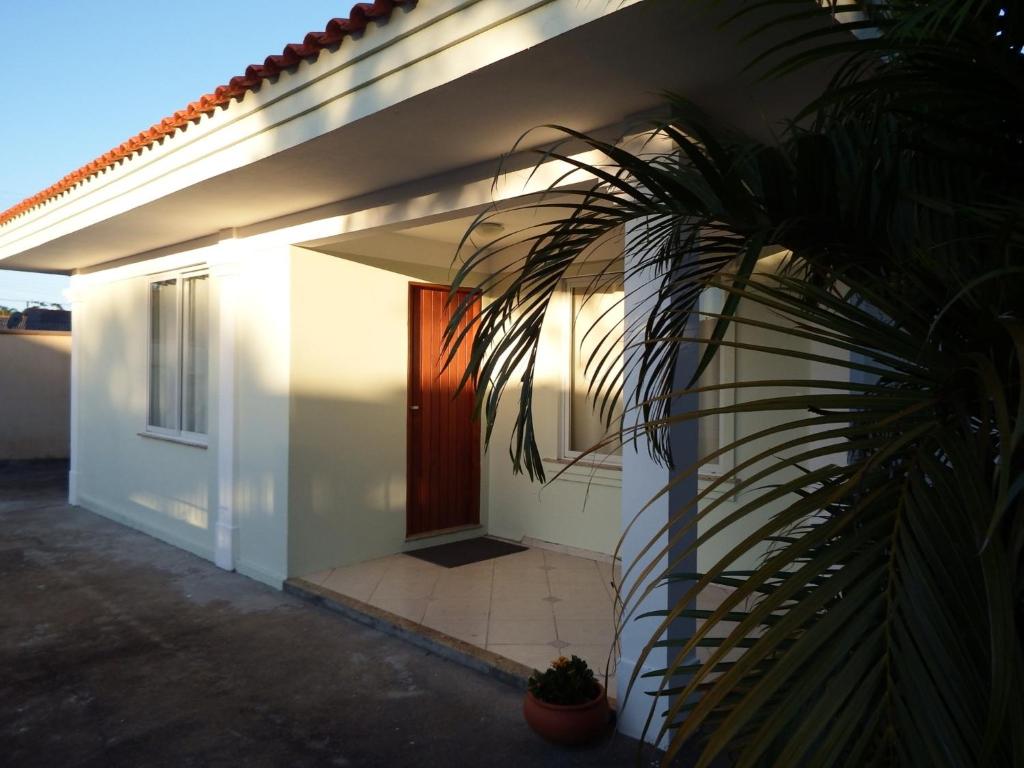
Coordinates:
<point>81,77</point>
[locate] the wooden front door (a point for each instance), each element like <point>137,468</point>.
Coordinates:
<point>443,488</point>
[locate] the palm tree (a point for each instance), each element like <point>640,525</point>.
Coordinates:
<point>883,622</point>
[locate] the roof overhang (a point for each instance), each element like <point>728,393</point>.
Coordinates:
<point>445,87</point>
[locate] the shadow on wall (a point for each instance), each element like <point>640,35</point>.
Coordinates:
<point>347,478</point>
<point>34,394</point>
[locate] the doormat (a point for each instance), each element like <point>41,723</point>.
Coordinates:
<point>465,552</point>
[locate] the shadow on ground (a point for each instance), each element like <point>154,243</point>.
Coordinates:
<point>119,650</point>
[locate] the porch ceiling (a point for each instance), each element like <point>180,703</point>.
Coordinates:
<point>436,244</point>
<point>591,77</point>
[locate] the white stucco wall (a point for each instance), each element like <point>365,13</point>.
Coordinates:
<point>320,419</point>
<point>347,473</point>
<point>166,488</point>
<point>261,411</point>
<point>349,366</point>
<point>578,509</point>
<point>752,365</point>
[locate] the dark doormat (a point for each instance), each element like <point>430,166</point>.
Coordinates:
<point>465,552</point>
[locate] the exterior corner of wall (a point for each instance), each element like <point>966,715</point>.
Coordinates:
<point>262,409</point>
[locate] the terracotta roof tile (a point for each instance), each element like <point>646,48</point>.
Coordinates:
<point>294,53</point>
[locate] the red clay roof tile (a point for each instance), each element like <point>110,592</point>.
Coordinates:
<point>293,53</point>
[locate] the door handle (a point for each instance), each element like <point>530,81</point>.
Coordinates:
<point>414,407</point>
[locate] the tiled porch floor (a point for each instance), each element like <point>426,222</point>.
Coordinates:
<point>532,606</point>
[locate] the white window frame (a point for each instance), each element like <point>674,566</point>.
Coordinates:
<point>606,460</point>
<point>712,300</point>
<point>179,277</point>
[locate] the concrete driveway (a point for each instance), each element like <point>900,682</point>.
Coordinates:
<point>119,650</point>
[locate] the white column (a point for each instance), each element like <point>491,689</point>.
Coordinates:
<point>224,268</point>
<point>77,296</point>
<point>642,479</point>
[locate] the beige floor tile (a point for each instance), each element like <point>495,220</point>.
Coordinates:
<point>580,590</point>
<point>504,590</point>
<point>593,607</point>
<point>526,556</point>
<point>576,580</point>
<point>564,562</point>
<point>457,608</point>
<point>596,656</point>
<point>508,586</point>
<point>411,566</point>
<point>319,576</point>
<point>520,566</point>
<point>520,574</point>
<point>370,569</point>
<point>586,631</point>
<point>470,591</point>
<point>502,596</point>
<point>521,608</point>
<point>464,584</point>
<point>469,630</point>
<point>509,569</point>
<point>356,586</point>
<point>393,561</point>
<point>411,608</point>
<point>405,584</point>
<point>484,566</point>
<point>467,579</point>
<point>535,577</point>
<point>534,656</point>
<point>522,631</point>
<point>586,593</point>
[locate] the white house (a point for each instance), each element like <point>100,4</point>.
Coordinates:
<point>250,275</point>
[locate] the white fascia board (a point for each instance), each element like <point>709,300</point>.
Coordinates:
<point>398,208</point>
<point>437,42</point>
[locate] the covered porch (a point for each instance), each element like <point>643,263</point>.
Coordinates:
<point>528,607</point>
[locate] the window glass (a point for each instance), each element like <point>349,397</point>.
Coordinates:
<point>596,332</point>
<point>163,355</point>
<point>194,354</point>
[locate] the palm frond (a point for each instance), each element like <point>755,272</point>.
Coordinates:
<point>883,619</point>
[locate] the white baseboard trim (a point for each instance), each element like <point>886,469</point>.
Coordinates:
<point>148,527</point>
<point>248,569</point>
<point>73,480</point>
<point>634,710</point>
<point>260,574</point>
<point>566,549</point>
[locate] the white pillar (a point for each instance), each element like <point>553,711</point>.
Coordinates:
<point>224,268</point>
<point>642,479</point>
<point>77,296</point>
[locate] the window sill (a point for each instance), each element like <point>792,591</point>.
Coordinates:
<point>586,464</point>
<point>586,472</point>
<point>192,443</point>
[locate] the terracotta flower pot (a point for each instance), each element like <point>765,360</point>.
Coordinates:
<point>568,724</point>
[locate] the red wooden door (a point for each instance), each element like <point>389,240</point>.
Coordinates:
<point>443,487</point>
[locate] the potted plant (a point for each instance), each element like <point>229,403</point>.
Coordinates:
<point>565,704</point>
